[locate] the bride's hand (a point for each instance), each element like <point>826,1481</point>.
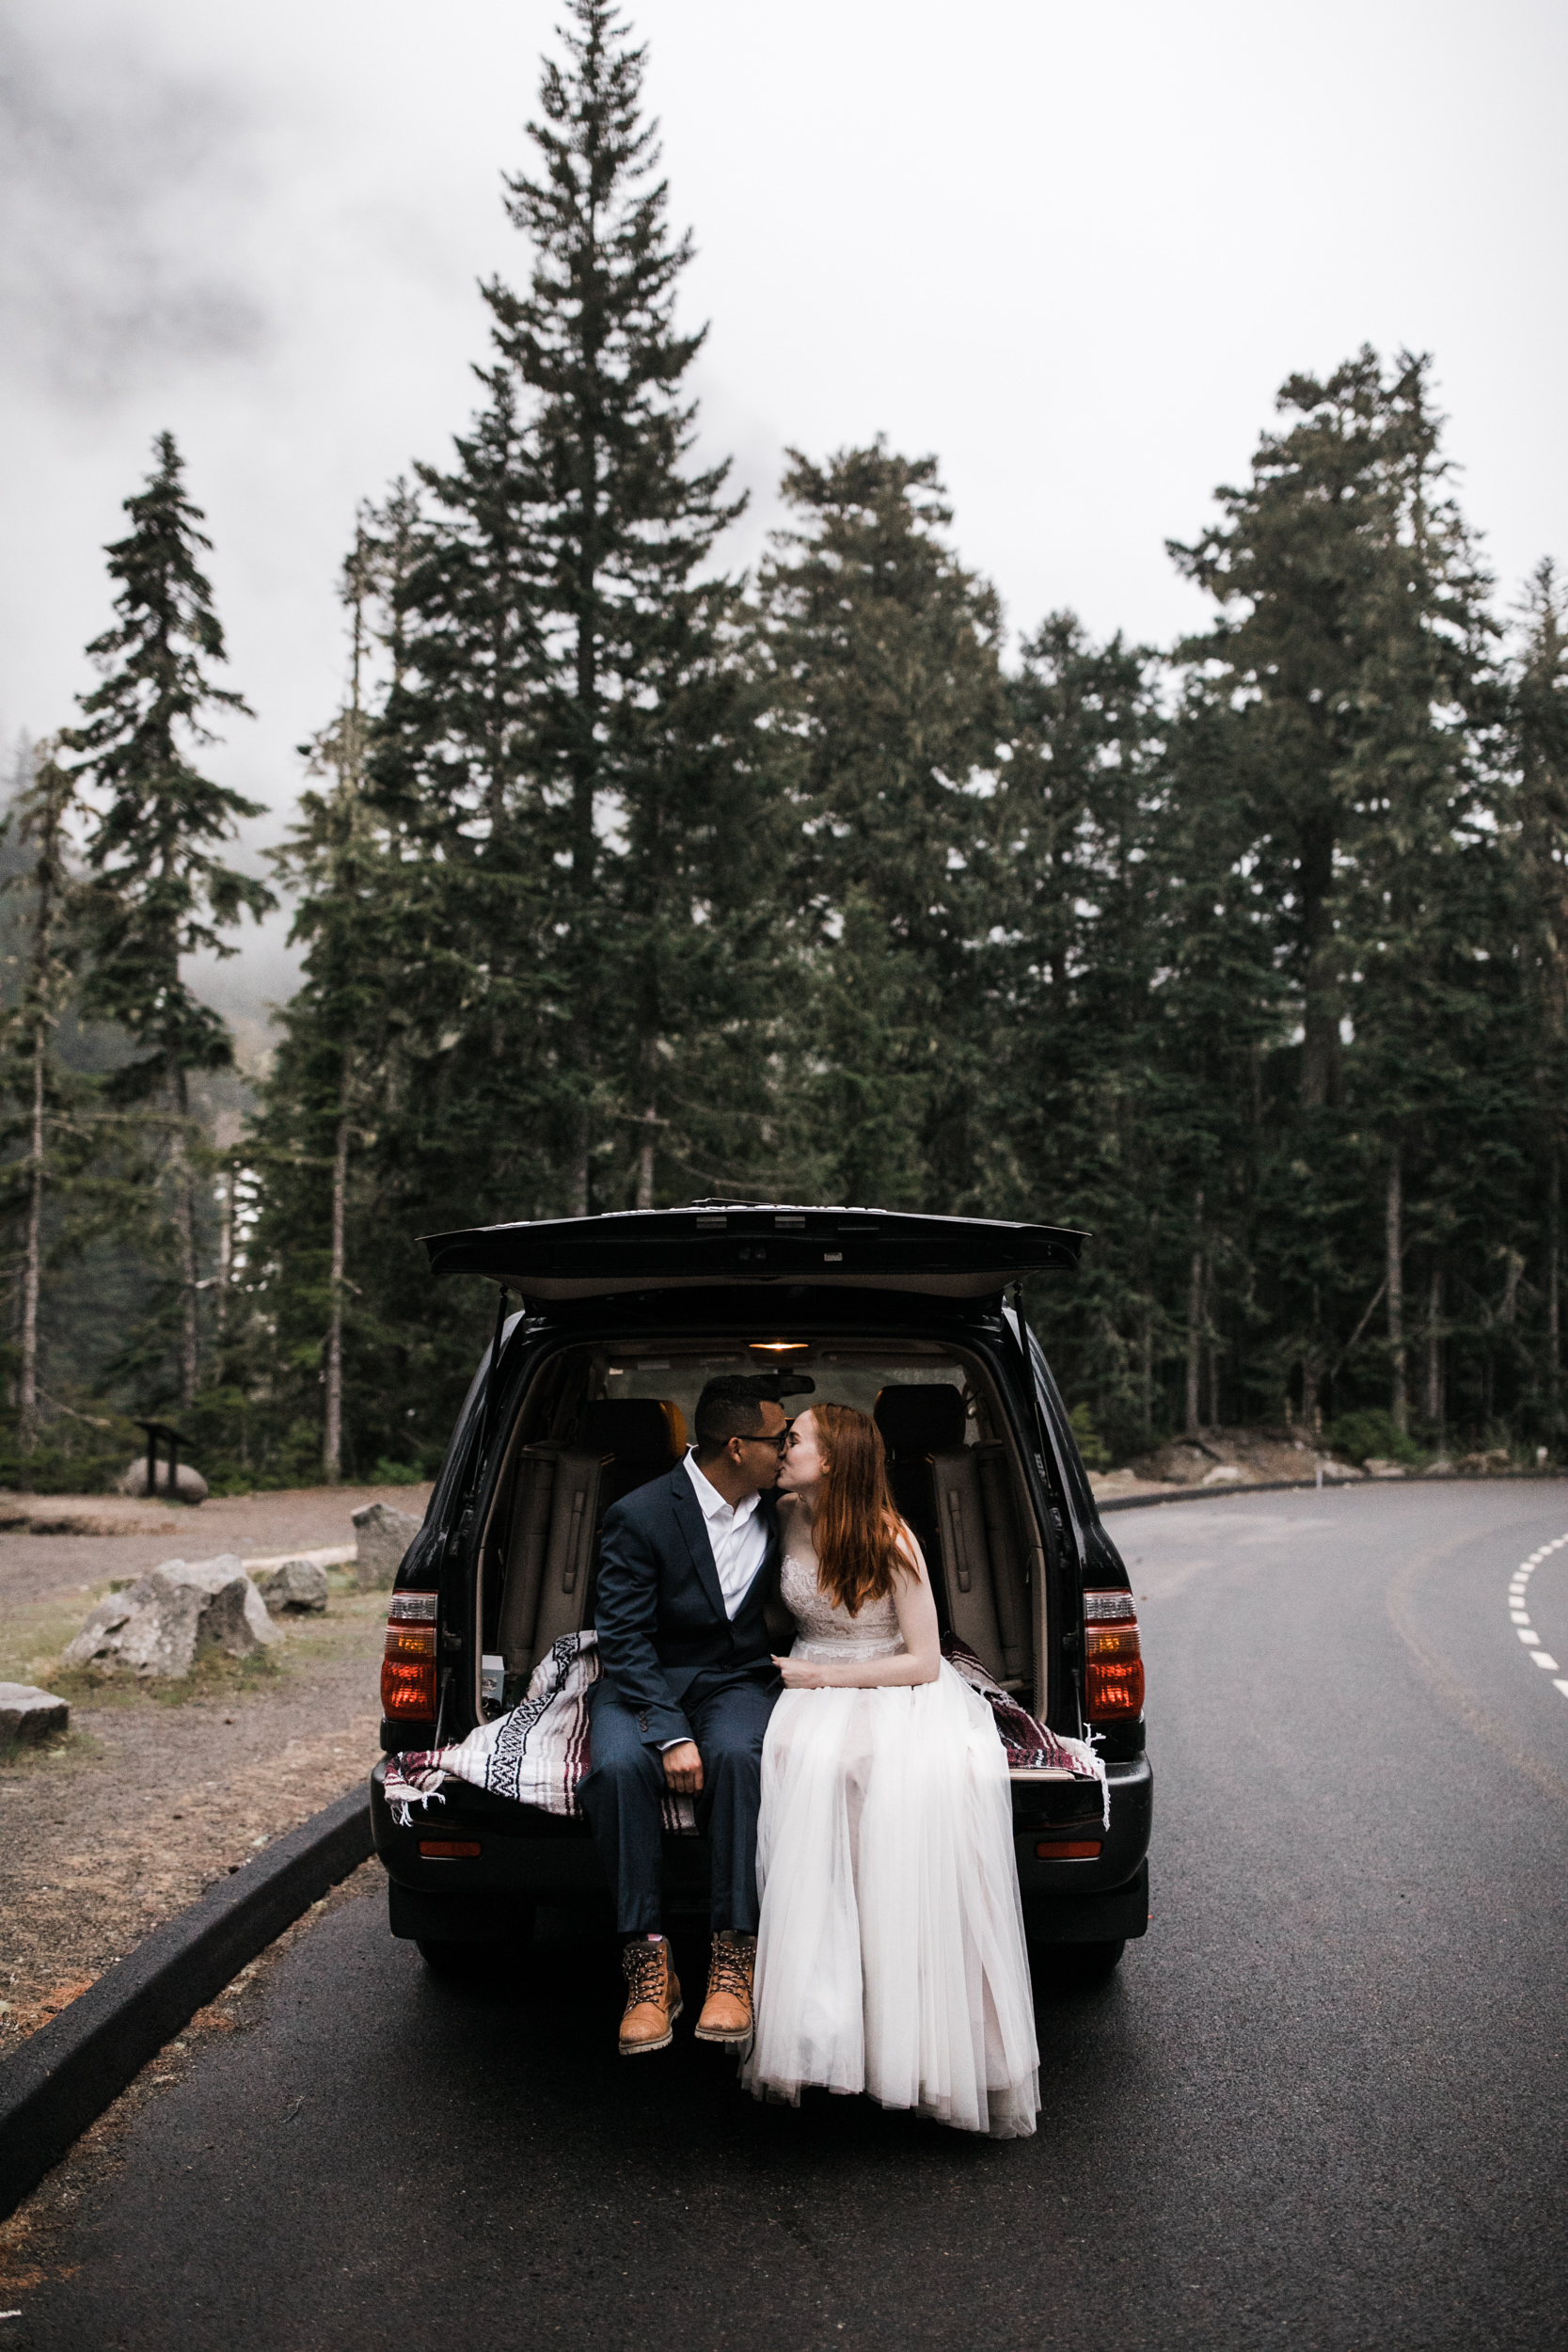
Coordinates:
<point>798,1674</point>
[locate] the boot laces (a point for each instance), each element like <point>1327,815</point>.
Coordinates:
<point>644,1964</point>
<point>730,1970</point>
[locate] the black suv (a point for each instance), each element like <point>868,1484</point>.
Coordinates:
<point>585,1395</point>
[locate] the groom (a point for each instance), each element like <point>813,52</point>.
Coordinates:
<point>686,1571</point>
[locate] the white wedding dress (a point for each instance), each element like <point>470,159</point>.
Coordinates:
<point>891,1957</point>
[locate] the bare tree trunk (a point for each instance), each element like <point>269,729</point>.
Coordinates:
<point>44,810</point>
<point>1554,1296</point>
<point>27,1384</point>
<point>1320,1049</point>
<point>1509,1310</point>
<point>332,1444</point>
<point>579,1163</point>
<point>1146,1374</point>
<point>1312,1407</point>
<point>647,1149</point>
<point>645,1159</point>
<point>226,1253</point>
<point>1435,1353</point>
<point>184,1235</point>
<point>1195,1315</point>
<point>1399,1399</point>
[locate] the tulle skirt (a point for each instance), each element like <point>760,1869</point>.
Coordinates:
<point>891,1957</point>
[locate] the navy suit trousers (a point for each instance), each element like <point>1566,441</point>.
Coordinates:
<point>728,1712</point>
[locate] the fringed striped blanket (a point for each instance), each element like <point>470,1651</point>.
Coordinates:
<point>538,1753</point>
<point>1032,1747</point>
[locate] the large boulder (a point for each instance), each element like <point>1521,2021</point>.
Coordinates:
<point>189,1484</point>
<point>382,1535</point>
<point>29,1714</point>
<point>155,1627</point>
<point>295,1589</point>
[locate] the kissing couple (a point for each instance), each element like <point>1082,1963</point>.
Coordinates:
<point>867,1931</point>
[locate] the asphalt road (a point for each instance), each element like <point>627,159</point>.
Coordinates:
<point>1322,2104</point>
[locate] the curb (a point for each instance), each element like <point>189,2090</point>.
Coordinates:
<point>1329,1486</point>
<point>64,2076</point>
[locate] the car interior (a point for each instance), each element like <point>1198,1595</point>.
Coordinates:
<point>599,1421</point>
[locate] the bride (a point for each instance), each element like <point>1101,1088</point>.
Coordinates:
<point>890,1951</point>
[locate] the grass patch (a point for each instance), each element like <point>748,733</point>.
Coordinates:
<point>35,1636</point>
<point>22,1758</point>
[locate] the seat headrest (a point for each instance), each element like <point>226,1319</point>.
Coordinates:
<point>920,1419</point>
<point>634,1427</point>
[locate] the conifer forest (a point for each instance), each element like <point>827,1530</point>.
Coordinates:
<point>620,880</point>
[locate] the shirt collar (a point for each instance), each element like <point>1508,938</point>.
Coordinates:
<point>712,1502</point>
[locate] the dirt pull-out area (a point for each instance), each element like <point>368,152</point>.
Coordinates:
<point>158,1790</point>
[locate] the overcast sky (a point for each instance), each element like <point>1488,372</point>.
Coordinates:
<point>1072,249</point>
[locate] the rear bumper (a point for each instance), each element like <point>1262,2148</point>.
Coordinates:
<point>529,1857</point>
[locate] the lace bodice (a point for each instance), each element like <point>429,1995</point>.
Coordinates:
<point>826,1630</point>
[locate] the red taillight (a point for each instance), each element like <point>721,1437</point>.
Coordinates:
<point>1112,1659</point>
<point>1068,1850</point>
<point>408,1664</point>
<point>450,1848</point>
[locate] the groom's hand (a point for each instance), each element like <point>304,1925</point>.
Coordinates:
<point>683,1769</point>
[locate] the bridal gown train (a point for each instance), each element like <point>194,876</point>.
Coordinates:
<point>891,1957</point>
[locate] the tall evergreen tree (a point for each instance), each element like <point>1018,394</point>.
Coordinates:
<point>1352,652</point>
<point>157,888</point>
<point>624,518</point>
<point>567,665</point>
<point>39,824</point>
<point>1084,934</point>
<point>888,714</point>
<point>1539,732</point>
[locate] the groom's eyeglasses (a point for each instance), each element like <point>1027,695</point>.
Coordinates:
<point>777,1443</point>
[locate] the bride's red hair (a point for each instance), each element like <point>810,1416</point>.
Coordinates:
<point>855,1528</point>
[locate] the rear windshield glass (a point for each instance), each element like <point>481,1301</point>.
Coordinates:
<point>841,1376</point>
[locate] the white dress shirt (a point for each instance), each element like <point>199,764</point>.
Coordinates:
<point>736,1532</point>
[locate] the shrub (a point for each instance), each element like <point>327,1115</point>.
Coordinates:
<point>1091,1445</point>
<point>1373,1435</point>
<point>396,1474</point>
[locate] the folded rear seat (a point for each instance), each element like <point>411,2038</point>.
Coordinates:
<point>958,1498</point>
<point>917,1422</point>
<point>646,1434</point>
<point>966,1556</point>
<point>562,1495</point>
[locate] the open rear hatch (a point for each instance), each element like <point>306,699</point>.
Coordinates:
<point>721,1242</point>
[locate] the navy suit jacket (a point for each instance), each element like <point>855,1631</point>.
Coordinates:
<point>659,1609</point>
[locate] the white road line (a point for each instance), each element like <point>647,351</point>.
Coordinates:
<point>1519,1616</point>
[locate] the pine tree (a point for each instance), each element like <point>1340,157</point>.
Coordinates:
<point>39,822</point>
<point>1084,935</point>
<point>625,522</point>
<point>157,889</point>
<point>1353,653</point>
<point>1539,732</point>
<point>563,649</point>
<point>888,712</point>
<point>328,1089</point>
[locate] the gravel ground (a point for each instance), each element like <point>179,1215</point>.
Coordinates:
<point>137,1536</point>
<point>159,1792</point>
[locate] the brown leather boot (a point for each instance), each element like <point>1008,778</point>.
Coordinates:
<point>653,1999</point>
<point>727,2012</point>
